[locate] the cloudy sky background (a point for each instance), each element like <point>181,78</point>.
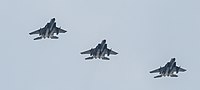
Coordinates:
<point>145,33</point>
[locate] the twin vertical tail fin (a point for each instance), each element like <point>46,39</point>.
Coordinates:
<point>170,76</point>
<point>54,37</point>
<point>37,38</point>
<point>106,58</point>
<point>173,75</point>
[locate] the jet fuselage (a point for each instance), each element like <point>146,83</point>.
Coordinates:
<point>168,70</point>
<point>49,29</point>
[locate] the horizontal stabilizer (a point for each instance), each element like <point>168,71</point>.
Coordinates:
<point>54,37</point>
<point>158,76</point>
<point>174,75</point>
<point>37,38</point>
<point>88,58</point>
<point>105,58</point>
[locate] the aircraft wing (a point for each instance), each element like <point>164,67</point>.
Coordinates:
<point>61,30</point>
<point>87,52</point>
<point>37,31</point>
<point>113,52</point>
<point>181,69</point>
<point>110,52</point>
<point>156,70</point>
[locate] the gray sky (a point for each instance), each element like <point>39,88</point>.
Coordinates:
<point>145,33</point>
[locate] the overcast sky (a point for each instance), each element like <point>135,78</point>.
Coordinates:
<point>145,33</point>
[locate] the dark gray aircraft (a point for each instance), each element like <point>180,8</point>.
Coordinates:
<point>99,51</point>
<point>48,31</point>
<point>170,69</point>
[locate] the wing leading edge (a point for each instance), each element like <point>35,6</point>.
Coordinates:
<point>156,70</point>
<point>113,52</point>
<point>87,52</point>
<point>60,30</point>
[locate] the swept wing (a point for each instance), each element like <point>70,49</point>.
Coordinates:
<point>110,52</point>
<point>37,31</point>
<point>88,51</point>
<point>156,70</point>
<point>180,69</point>
<point>113,52</point>
<point>59,30</point>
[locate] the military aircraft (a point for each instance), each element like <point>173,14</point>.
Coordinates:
<point>48,31</point>
<point>99,51</point>
<point>170,69</point>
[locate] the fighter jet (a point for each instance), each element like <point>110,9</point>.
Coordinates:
<point>99,51</point>
<point>48,31</point>
<point>170,69</point>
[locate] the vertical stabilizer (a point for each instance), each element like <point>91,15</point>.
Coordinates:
<point>173,75</point>
<point>105,58</point>
<point>54,37</point>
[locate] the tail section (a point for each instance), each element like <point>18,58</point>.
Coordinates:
<point>173,75</point>
<point>88,58</point>
<point>54,37</point>
<point>105,58</point>
<point>158,76</point>
<point>37,38</point>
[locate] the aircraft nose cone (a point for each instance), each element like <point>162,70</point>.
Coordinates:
<point>173,59</point>
<point>53,19</point>
<point>104,41</point>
